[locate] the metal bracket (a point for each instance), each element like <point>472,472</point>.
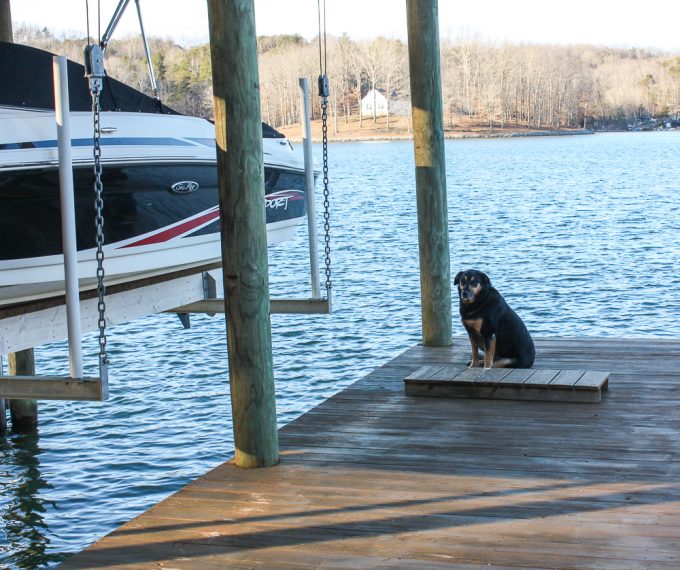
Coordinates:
<point>94,67</point>
<point>185,319</point>
<point>209,286</point>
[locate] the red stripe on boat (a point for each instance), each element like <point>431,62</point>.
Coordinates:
<point>171,233</point>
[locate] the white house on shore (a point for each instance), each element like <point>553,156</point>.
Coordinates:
<point>396,106</point>
<point>376,98</point>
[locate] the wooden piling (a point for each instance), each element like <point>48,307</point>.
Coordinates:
<point>236,90</point>
<point>5,22</point>
<point>3,416</point>
<point>428,143</point>
<point>24,413</point>
<point>5,36</point>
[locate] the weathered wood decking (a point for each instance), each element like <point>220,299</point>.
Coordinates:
<point>373,478</point>
<point>435,380</point>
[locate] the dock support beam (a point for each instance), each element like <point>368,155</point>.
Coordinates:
<point>428,143</point>
<point>309,186</point>
<point>62,109</point>
<point>238,128</point>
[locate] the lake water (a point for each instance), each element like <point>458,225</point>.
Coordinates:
<point>579,233</point>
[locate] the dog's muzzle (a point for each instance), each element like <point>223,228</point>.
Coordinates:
<point>467,296</point>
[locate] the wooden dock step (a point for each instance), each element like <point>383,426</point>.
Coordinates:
<point>507,383</point>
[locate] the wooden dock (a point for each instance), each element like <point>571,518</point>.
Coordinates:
<point>373,478</point>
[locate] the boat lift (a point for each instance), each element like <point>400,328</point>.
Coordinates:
<point>212,304</point>
<point>190,290</point>
<point>187,291</point>
<point>75,386</point>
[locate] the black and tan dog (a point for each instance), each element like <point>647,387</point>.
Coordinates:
<point>491,324</point>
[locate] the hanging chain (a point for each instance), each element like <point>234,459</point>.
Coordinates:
<point>99,223</point>
<point>326,194</point>
<point>94,71</point>
<point>324,91</point>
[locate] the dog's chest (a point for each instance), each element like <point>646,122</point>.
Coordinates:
<point>473,326</point>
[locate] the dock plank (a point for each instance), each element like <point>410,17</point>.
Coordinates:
<point>446,373</point>
<point>594,378</point>
<point>540,377</point>
<point>518,376</point>
<point>374,478</point>
<point>567,377</point>
<point>424,372</point>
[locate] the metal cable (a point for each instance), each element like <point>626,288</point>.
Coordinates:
<point>87,19</point>
<point>325,48</point>
<point>318,11</point>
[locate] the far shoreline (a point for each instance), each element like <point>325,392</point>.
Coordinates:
<point>349,131</point>
<point>454,136</point>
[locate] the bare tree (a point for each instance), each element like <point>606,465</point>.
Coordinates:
<point>394,75</point>
<point>354,69</point>
<point>533,85</point>
<point>371,62</point>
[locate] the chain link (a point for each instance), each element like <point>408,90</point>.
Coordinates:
<point>326,194</point>
<point>99,222</point>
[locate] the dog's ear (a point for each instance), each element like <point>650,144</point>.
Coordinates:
<point>485,279</point>
<point>456,279</point>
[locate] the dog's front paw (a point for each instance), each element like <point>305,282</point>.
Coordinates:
<point>471,364</point>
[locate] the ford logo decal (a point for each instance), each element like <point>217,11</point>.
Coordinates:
<point>184,187</point>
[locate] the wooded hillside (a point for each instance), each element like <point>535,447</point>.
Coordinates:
<point>501,85</point>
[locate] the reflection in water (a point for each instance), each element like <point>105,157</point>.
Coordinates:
<point>24,533</point>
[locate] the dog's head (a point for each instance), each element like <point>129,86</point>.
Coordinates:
<point>471,284</point>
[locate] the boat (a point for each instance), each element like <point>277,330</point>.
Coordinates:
<point>159,176</point>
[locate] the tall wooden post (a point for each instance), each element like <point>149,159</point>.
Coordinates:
<point>24,412</point>
<point>5,22</point>
<point>5,36</point>
<point>236,90</point>
<point>428,143</point>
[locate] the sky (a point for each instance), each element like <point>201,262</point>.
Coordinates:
<point>616,23</point>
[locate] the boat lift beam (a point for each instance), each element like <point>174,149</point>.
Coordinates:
<point>44,321</point>
<point>276,307</point>
<point>36,323</point>
<point>52,388</point>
